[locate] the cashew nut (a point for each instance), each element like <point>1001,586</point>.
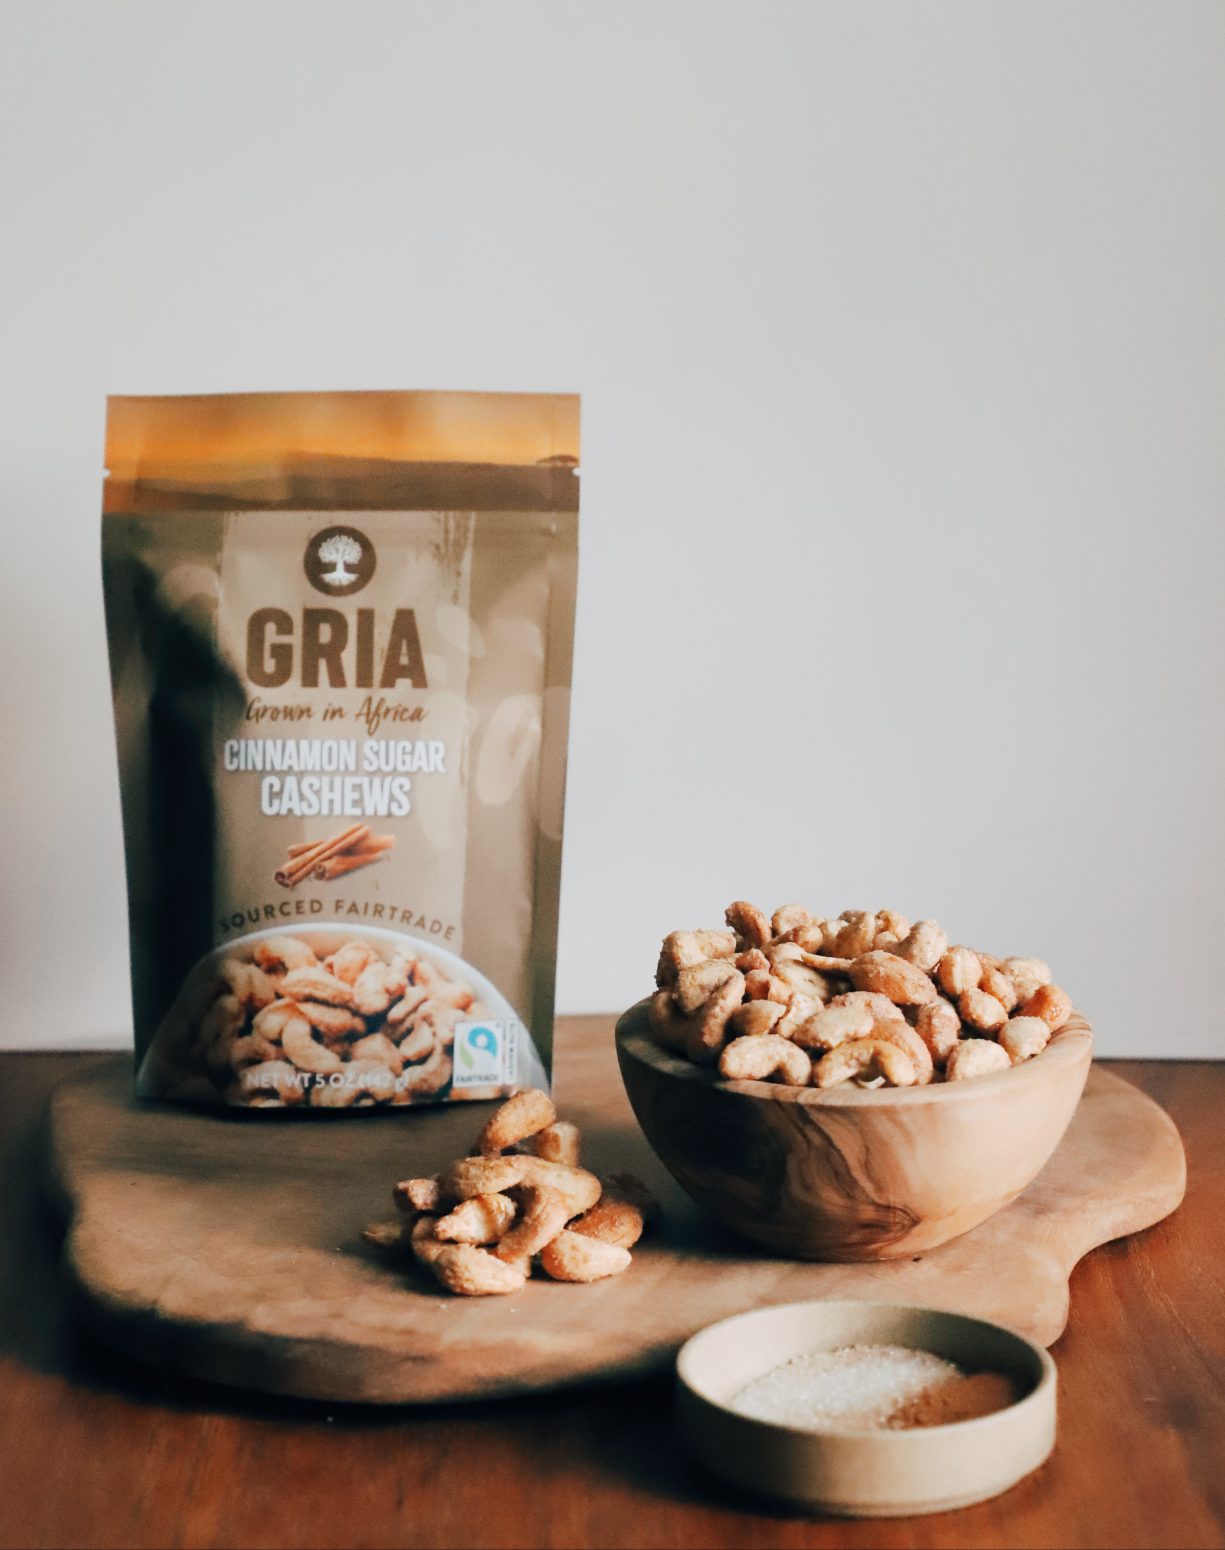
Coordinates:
<point>798,976</point>
<point>333,1022</point>
<point>890,923</point>
<point>519,1117</point>
<point>898,1031</point>
<point>578,1189</point>
<point>881,1008</point>
<point>959,970</point>
<point>480,1176</point>
<point>755,1017</point>
<point>670,1027</point>
<point>682,948</point>
<point>976,1057</point>
<point>347,962</point>
<point>750,925</point>
<point>418,1044</point>
<point>270,1020</point>
<point>708,1030</point>
<point>301,1046</point>
<point>812,938</point>
<point>1023,1038</point>
<point>865,1058</point>
<point>1028,976</point>
<point>895,978</point>
<point>697,982</point>
<point>471,1272</point>
<point>543,1214</point>
<point>832,1025</point>
<point>765,1057</point>
<point>417,1195</point>
<point>316,985</point>
<point>791,917</point>
<point>761,985</point>
<point>939,1026</point>
<point>924,945</point>
<point>558,1143</point>
<point>278,954</point>
<point>980,1010</point>
<point>573,1256</point>
<point>377,986</point>
<point>1052,1005</point>
<point>247,982</point>
<point>414,997</point>
<point>855,935</point>
<point>800,1010</point>
<point>479,1219</point>
<point>612,1221</point>
<point>998,984</point>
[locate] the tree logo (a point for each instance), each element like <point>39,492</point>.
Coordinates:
<point>339,561</point>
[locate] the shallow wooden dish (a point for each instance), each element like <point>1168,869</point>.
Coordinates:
<point>863,1473</point>
<point>852,1173</point>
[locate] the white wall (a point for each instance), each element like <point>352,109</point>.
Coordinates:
<point>900,333</point>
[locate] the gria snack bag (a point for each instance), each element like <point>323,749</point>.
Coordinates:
<point>340,630</point>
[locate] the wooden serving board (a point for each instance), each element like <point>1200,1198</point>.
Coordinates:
<point>228,1248</point>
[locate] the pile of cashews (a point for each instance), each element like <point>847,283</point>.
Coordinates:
<point>862,997</point>
<point>521,1199</point>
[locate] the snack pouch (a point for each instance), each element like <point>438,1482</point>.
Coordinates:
<point>341,628</point>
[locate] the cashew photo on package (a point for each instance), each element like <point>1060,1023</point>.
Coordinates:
<point>353,1028</point>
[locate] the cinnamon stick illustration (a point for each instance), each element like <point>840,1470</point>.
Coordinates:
<point>375,844</point>
<point>294,870</point>
<point>326,859</point>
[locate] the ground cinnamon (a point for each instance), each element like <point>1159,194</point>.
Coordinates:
<point>958,1399</point>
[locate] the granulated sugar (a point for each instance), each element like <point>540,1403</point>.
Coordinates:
<point>857,1386</point>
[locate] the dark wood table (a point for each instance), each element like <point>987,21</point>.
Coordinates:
<point>93,1452</point>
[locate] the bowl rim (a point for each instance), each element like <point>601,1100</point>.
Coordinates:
<point>1070,1047</point>
<point>1038,1396</point>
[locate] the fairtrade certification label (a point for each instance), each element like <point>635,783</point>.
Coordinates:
<point>484,1053</point>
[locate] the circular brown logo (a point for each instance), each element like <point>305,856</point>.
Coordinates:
<point>339,561</point>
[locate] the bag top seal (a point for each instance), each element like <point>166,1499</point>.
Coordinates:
<point>371,450</point>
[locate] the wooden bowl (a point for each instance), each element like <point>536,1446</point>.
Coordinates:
<point>863,1473</point>
<point>852,1173</point>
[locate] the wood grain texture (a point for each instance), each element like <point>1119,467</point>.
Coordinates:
<point>852,1174</point>
<point>97,1451</point>
<point>226,1248</point>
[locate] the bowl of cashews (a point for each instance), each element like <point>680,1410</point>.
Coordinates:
<point>850,1088</point>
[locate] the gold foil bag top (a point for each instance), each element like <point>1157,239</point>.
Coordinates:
<point>376,450</point>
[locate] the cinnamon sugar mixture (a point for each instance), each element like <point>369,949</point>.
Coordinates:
<point>872,1386</point>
